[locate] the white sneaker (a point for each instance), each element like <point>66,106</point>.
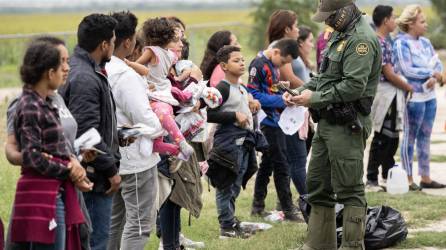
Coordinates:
<point>161,246</point>
<point>188,243</point>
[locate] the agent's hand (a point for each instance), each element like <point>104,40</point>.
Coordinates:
<point>77,172</point>
<point>115,182</point>
<point>303,99</point>
<point>242,119</point>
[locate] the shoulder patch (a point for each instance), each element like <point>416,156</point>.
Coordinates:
<point>362,49</point>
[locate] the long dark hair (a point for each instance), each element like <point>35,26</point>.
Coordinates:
<point>216,42</point>
<point>40,56</point>
<point>278,22</point>
<point>304,33</point>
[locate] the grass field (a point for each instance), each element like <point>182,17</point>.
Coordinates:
<point>11,50</point>
<point>418,209</point>
<point>38,23</point>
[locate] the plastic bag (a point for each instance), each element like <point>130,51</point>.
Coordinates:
<point>385,226</point>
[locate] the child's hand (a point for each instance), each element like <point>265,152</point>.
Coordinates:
<point>254,106</point>
<point>152,87</point>
<point>184,75</point>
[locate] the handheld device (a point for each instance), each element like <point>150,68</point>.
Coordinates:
<point>283,87</point>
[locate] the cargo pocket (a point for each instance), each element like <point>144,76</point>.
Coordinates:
<point>335,63</point>
<point>347,172</point>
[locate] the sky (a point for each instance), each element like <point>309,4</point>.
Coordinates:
<point>80,3</point>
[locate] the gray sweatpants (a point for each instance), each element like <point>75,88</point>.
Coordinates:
<point>134,211</point>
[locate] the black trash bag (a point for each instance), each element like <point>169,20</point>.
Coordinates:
<point>304,207</point>
<point>385,227</point>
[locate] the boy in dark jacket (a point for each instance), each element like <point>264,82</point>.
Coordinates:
<point>233,143</point>
<point>263,77</point>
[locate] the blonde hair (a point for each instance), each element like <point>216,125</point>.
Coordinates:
<point>408,16</point>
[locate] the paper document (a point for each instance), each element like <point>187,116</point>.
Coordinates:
<point>291,119</point>
<point>87,141</point>
<point>261,115</point>
<point>136,130</point>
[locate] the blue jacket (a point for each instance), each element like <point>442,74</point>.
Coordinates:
<point>263,76</point>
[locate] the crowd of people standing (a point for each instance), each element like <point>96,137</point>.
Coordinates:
<point>192,121</point>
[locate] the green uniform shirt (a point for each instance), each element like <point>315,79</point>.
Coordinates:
<point>354,67</point>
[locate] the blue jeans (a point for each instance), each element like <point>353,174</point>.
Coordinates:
<point>225,198</point>
<point>170,225</point>
<point>297,160</point>
<point>61,228</point>
<point>99,207</point>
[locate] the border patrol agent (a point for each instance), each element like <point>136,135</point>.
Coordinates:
<point>340,98</point>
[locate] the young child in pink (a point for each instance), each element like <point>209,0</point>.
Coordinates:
<point>155,62</point>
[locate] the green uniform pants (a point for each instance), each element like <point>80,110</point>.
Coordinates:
<point>336,167</point>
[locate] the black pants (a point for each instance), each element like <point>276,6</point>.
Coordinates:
<point>274,161</point>
<point>170,225</point>
<point>383,146</point>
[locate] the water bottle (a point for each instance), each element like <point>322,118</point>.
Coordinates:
<point>397,182</point>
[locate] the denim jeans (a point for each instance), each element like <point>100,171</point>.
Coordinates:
<point>297,160</point>
<point>99,207</point>
<point>274,160</point>
<point>170,225</point>
<point>59,242</point>
<point>225,198</point>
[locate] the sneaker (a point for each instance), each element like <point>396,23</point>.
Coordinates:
<point>414,187</point>
<point>372,183</point>
<point>278,206</point>
<point>233,232</point>
<point>433,184</point>
<point>293,216</point>
<point>188,243</point>
<point>247,229</point>
<point>372,186</point>
<point>259,212</point>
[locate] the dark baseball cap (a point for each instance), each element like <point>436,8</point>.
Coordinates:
<point>327,7</point>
